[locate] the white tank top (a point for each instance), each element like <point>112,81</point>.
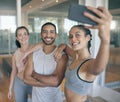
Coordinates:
<point>45,64</point>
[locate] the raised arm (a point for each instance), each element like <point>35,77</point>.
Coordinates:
<point>99,64</point>
<point>32,49</point>
<point>35,47</point>
<point>55,78</point>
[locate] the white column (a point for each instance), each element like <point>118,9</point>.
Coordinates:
<point>95,41</point>
<point>9,41</point>
<point>18,5</point>
<point>24,19</point>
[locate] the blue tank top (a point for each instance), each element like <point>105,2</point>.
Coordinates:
<point>75,83</point>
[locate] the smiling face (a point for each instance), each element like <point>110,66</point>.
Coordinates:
<point>77,38</point>
<point>48,34</point>
<point>22,36</point>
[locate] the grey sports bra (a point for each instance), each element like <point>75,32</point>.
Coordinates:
<point>75,83</point>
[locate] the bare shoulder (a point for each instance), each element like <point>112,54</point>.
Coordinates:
<point>88,65</point>
<point>86,71</point>
<point>16,52</point>
<point>91,67</point>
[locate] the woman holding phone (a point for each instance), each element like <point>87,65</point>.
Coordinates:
<point>83,70</point>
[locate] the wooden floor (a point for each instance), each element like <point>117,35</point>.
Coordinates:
<point>4,84</point>
<point>112,74</point>
<point>113,67</point>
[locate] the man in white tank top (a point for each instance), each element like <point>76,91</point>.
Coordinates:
<point>43,72</point>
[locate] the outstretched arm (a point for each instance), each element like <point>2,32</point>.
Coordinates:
<point>99,64</point>
<point>57,76</point>
<point>34,48</point>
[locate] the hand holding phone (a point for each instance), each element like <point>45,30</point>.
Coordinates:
<point>76,13</point>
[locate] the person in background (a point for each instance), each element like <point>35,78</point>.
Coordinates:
<point>42,71</point>
<point>83,70</point>
<point>21,90</point>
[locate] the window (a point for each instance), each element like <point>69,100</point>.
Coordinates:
<point>7,37</point>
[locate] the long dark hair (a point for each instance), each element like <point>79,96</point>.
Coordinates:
<point>87,32</point>
<point>16,32</point>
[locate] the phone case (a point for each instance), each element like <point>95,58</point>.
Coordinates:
<point>76,13</point>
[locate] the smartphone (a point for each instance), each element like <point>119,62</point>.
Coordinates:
<point>76,13</point>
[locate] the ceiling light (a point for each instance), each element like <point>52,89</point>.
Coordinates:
<point>30,6</point>
<point>56,0</point>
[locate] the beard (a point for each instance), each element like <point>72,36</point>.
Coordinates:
<point>48,43</point>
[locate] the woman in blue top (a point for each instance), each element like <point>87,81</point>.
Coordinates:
<point>83,70</point>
